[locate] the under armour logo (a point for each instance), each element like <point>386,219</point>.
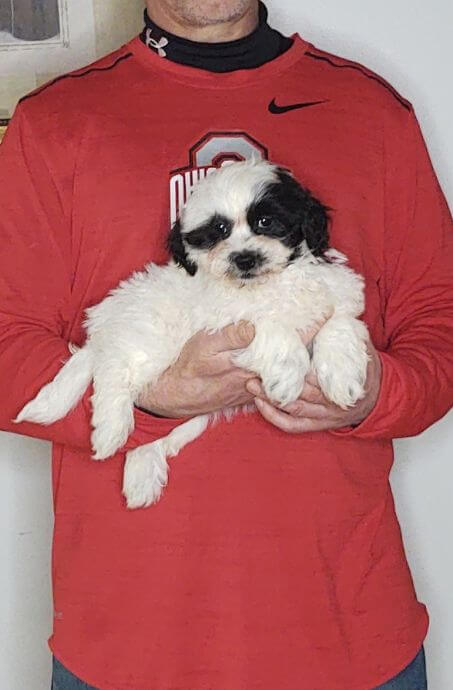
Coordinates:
<point>157,45</point>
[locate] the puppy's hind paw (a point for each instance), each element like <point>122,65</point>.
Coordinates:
<point>111,433</point>
<point>104,442</point>
<point>145,475</point>
<point>39,411</point>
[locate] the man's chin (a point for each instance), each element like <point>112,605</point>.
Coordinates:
<point>212,12</point>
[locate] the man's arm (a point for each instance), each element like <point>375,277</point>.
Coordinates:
<point>417,366</point>
<point>410,384</point>
<point>35,287</point>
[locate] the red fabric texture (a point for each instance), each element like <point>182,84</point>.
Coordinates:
<point>272,560</point>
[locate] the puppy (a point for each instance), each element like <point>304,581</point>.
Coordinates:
<point>251,244</point>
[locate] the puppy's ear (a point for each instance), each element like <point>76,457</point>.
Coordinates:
<point>177,249</point>
<point>315,224</point>
<point>312,217</point>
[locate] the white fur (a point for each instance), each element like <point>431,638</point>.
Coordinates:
<point>139,329</point>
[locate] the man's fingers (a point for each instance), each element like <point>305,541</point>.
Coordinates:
<point>232,337</point>
<point>300,408</point>
<point>220,364</point>
<point>255,387</point>
<point>279,419</point>
<point>288,423</point>
<point>313,394</point>
<point>312,379</point>
<point>310,394</point>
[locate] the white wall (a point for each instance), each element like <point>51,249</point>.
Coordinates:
<point>409,43</point>
<point>24,67</point>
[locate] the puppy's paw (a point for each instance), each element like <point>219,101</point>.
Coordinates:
<point>145,475</point>
<point>278,356</point>
<point>343,389</point>
<point>341,373</point>
<point>104,442</point>
<point>43,409</point>
<point>284,381</point>
<point>111,428</point>
<point>171,447</point>
<point>32,412</point>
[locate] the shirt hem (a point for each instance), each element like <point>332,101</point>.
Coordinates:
<point>406,660</point>
<point>399,666</point>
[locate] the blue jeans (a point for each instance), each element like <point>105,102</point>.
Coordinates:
<point>412,678</point>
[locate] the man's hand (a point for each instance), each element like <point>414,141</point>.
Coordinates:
<point>312,411</point>
<point>203,379</point>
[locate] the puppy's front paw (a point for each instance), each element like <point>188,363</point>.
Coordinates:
<point>341,371</point>
<point>278,356</point>
<point>341,387</point>
<point>284,381</point>
<point>145,475</point>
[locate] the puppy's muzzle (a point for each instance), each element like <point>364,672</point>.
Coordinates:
<point>246,261</point>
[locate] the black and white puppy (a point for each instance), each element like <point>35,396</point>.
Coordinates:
<point>250,244</point>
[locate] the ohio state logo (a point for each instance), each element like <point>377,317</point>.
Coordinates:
<point>213,151</point>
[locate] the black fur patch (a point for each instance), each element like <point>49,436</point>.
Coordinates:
<point>206,236</point>
<point>291,214</point>
<point>177,249</point>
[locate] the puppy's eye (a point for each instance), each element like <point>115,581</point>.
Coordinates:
<point>265,221</point>
<point>222,228</point>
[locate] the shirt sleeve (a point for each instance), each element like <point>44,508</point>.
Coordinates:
<point>35,292</point>
<point>417,364</point>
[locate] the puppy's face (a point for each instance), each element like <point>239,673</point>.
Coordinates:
<point>246,221</point>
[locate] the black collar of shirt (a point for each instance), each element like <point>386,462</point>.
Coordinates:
<point>261,46</point>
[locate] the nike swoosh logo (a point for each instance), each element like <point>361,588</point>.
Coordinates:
<point>280,109</point>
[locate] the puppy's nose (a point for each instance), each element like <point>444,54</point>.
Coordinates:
<point>244,260</point>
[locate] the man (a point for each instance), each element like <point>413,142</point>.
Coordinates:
<point>284,568</point>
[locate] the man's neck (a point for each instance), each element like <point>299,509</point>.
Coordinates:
<point>213,33</point>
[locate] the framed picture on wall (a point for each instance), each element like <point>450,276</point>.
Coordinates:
<point>40,39</point>
<point>24,23</point>
<point>3,124</point>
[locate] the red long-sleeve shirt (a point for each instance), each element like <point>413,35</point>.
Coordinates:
<point>273,560</point>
